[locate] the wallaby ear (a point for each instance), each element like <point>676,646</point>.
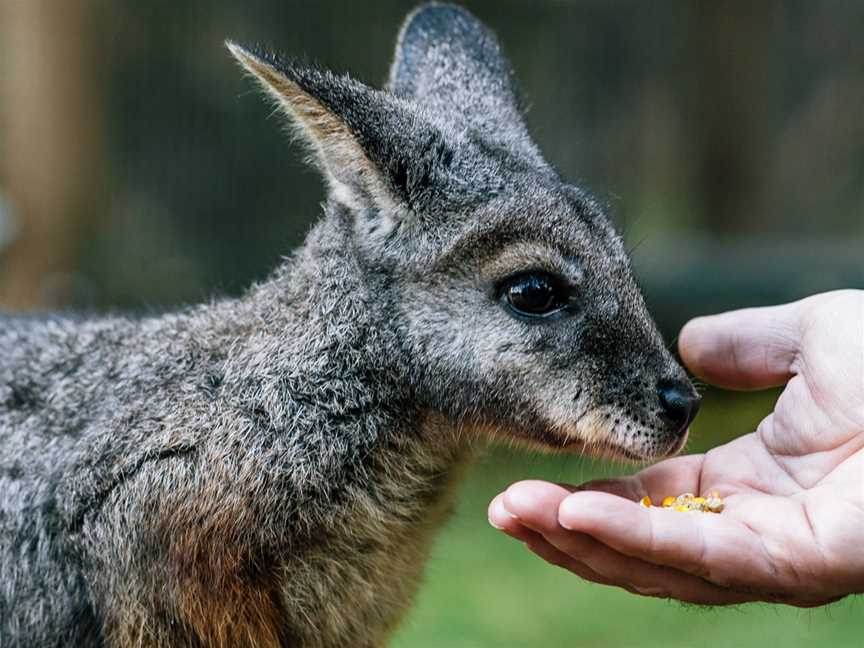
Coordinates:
<point>364,139</point>
<point>452,64</point>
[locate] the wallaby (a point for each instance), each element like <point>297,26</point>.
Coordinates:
<point>269,470</point>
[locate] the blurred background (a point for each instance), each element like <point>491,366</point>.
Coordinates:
<point>140,170</point>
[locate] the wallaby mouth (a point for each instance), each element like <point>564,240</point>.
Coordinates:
<point>605,451</point>
<point>608,450</point>
<point>597,442</point>
<point>616,433</point>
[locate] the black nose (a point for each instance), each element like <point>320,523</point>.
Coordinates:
<point>679,403</point>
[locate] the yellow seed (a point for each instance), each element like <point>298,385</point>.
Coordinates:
<point>714,504</point>
<point>709,503</point>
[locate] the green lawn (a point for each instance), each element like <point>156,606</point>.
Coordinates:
<point>484,589</point>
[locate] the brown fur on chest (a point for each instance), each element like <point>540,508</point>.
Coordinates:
<point>212,595</point>
<point>346,583</point>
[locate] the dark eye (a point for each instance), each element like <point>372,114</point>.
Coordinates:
<point>536,294</point>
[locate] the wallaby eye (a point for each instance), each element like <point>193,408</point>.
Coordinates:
<point>536,294</point>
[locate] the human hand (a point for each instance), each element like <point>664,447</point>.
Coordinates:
<point>793,527</point>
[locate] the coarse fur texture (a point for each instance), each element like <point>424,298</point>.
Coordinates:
<point>270,470</point>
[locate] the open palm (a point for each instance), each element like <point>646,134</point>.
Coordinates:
<point>793,526</point>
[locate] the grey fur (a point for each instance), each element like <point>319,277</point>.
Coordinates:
<point>269,470</point>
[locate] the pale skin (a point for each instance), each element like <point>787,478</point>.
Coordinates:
<point>793,527</point>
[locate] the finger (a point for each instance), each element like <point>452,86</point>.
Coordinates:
<point>709,546</point>
<point>609,568</point>
<point>638,576</point>
<point>745,349</point>
<point>532,506</point>
<point>541,547</point>
<point>501,519</point>
<point>535,505</point>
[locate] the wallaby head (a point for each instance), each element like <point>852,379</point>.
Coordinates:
<point>511,294</point>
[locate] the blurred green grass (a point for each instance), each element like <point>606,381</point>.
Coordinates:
<point>483,589</point>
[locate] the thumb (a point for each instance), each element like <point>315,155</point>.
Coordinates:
<point>753,348</point>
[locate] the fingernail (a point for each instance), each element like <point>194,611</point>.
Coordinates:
<point>497,511</point>
<point>564,515</point>
<point>504,506</point>
<point>492,524</point>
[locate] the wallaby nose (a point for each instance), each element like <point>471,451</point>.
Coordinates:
<point>679,403</point>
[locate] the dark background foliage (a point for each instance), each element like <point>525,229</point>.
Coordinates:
<point>726,138</point>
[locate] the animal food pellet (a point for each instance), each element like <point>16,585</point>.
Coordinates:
<point>710,503</point>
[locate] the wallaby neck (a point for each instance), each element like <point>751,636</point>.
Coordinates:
<point>319,291</point>
<point>316,315</point>
<point>321,373</point>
